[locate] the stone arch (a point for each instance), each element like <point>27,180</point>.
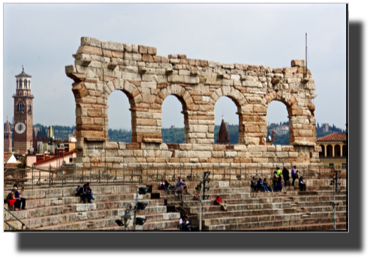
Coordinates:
<point>134,97</point>
<point>301,117</point>
<point>290,103</point>
<point>186,101</point>
<point>241,103</point>
<point>234,94</point>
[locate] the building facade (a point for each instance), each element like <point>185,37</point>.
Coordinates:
<point>333,150</point>
<point>23,113</point>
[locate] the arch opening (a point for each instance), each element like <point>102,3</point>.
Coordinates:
<point>344,151</point>
<point>174,118</point>
<point>118,119</point>
<point>277,120</point>
<point>227,112</point>
<point>322,153</point>
<point>329,150</point>
<point>337,150</point>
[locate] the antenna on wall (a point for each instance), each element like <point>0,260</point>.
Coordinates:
<point>306,50</point>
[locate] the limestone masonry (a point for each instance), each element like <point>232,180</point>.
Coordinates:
<point>147,79</point>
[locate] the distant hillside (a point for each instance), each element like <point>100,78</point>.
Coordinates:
<point>177,135</point>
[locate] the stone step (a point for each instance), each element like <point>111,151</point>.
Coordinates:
<point>76,216</point>
<point>285,200</point>
<point>260,218</point>
<point>66,208</point>
<point>36,203</point>
<point>160,225</point>
<point>262,224</point>
<point>43,193</point>
<point>303,227</point>
<point>250,212</point>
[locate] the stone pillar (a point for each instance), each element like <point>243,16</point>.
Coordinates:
<point>325,150</point>
<point>341,150</point>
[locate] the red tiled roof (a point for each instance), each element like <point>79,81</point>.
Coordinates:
<point>54,158</point>
<point>333,137</point>
<point>6,156</point>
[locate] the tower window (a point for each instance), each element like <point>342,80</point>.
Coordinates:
<point>20,84</point>
<point>29,109</point>
<point>25,85</point>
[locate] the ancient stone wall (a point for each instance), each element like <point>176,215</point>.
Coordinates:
<point>147,79</point>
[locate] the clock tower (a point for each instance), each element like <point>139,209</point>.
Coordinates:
<point>23,113</point>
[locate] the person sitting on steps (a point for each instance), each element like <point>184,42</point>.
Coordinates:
<point>302,184</point>
<point>85,193</point>
<point>219,201</point>
<point>167,185</point>
<point>187,224</point>
<point>162,185</point>
<point>89,191</point>
<point>255,184</point>
<point>181,223</point>
<point>11,200</point>
<point>264,185</point>
<point>20,202</point>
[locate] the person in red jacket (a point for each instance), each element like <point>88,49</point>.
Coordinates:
<point>219,201</point>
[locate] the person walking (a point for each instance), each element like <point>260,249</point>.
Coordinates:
<point>294,174</point>
<point>274,182</point>
<point>285,173</point>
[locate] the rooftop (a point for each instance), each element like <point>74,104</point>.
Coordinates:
<point>6,156</point>
<point>23,74</point>
<point>333,137</point>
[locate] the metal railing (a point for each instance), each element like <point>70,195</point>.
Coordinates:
<point>12,227</point>
<point>71,175</point>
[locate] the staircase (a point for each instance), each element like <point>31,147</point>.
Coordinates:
<point>248,210</point>
<point>57,208</point>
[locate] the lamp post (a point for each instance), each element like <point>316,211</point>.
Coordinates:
<point>203,182</point>
<point>335,185</point>
<point>138,206</point>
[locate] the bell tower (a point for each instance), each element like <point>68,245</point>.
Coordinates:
<point>7,138</point>
<point>23,113</point>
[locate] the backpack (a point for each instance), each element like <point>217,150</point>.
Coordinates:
<point>79,191</point>
<point>9,196</point>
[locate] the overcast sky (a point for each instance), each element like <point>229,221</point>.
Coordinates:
<point>43,37</point>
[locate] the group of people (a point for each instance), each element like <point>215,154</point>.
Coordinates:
<point>14,199</point>
<point>276,183</point>
<point>180,187</point>
<point>85,193</point>
<point>184,223</point>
